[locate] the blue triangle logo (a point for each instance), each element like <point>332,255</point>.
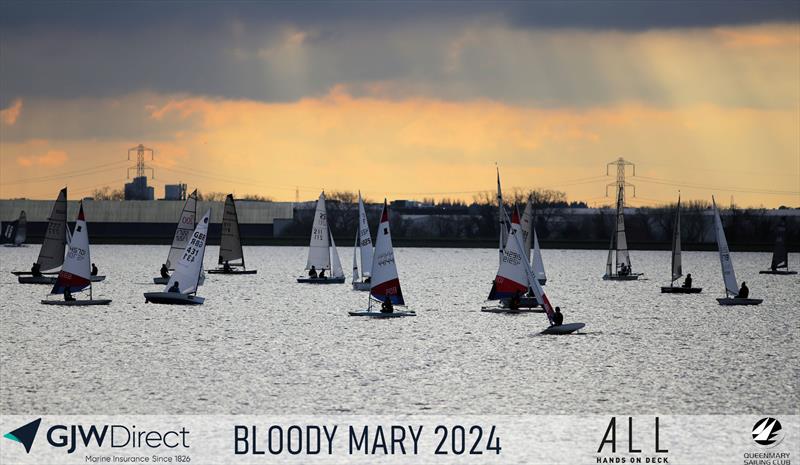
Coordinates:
<point>25,434</point>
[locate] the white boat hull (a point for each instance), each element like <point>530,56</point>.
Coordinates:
<point>50,279</point>
<point>77,303</point>
<point>321,280</point>
<point>563,329</point>
<point>381,314</point>
<point>172,298</point>
<point>735,301</point>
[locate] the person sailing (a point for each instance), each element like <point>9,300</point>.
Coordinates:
<point>68,295</point>
<point>744,292</point>
<point>226,267</point>
<point>514,302</point>
<point>558,317</point>
<point>94,269</point>
<point>175,288</point>
<point>312,273</point>
<point>386,306</point>
<point>322,274</point>
<point>624,270</point>
<point>687,283</point>
<point>36,270</point>
<point>164,271</point>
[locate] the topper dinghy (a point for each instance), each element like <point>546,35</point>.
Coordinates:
<point>51,254</point>
<point>728,275</point>
<point>75,275</point>
<point>677,270</point>
<point>385,284</point>
<point>780,257</point>
<point>618,265</point>
<point>230,245</point>
<point>182,286</point>
<point>319,250</point>
<point>15,232</point>
<point>183,233</point>
<point>364,248</point>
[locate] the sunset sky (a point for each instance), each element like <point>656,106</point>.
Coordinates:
<point>404,100</point>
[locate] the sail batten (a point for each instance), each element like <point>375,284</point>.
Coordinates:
<point>51,255</point>
<point>183,232</point>
<point>318,248</point>
<point>230,247</point>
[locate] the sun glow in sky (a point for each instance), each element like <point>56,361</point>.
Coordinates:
<point>404,100</point>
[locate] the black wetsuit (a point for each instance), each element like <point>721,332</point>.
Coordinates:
<point>558,319</point>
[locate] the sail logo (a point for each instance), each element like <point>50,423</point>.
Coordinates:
<point>768,432</point>
<point>25,434</point>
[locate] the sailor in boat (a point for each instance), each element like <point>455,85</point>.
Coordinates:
<point>744,292</point>
<point>624,270</point>
<point>226,267</point>
<point>774,266</point>
<point>322,274</point>
<point>68,295</point>
<point>513,303</point>
<point>94,269</point>
<point>164,271</point>
<point>175,288</point>
<point>312,273</point>
<point>36,270</point>
<point>558,317</point>
<point>386,306</point>
<point>687,283</point>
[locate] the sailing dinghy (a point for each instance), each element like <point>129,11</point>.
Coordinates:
<point>385,284</point>
<point>677,270</point>
<point>16,231</point>
<point>183,233</point>
<point>321,250</point>
<point>188,270</point>
<point>511,277</point>
<point>76,273</point>
<point>51,254</point>
<point>363,248</point>
<point>230,245</point>
<point>728,275</point>
<point>618,265</point>
<point>780,257</point>
<point>528,236</point>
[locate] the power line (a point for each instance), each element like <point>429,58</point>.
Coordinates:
<point>65,175</point>
<point>668,182</point>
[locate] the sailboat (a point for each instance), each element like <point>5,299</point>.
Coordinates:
<point>363,247</point>
<point>182,286</point>
<point>76,274</point>
<point>230,246</point>
<point>529,236</point>
<point>618,265</point>
<point>677,268</point>
<point>511,276</point>
<point>183,233</point>
<point>51,254</point>
<point>321,249</point>
<point>385,284</point>
<point>15,232</point>
<point>780,257</point>
<point>728,275</point>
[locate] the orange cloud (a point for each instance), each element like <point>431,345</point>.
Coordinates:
<point>49,159</point>
<point>9,115</point>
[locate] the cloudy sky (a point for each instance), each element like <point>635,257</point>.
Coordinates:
<point>406,99</point>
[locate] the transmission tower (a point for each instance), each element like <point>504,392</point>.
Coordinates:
<point>620,184</point>
<point>140,165</point>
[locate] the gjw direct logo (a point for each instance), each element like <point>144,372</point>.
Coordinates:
<point>25,434</point>
<point>768,432</point>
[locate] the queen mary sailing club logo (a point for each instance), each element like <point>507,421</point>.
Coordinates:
<point>768,432</point>
<point>25,434</point>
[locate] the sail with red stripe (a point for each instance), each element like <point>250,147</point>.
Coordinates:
<point>511,277</point>
<point>385,281</point>
<point>77,268</point>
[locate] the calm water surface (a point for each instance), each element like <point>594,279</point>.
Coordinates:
<point>264,344</point>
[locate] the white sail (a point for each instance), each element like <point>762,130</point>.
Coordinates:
<point>230,246</point>
<point>51,255</point>
<point>538,264</point>
<point>336,271</point>
<point>365,239</point>
<point>318,254</point>
<point>511,276</point>
<point>190,265</point>
<point>728,274</point>
<point>501,218</point>
<point>183,232</point>
<point>77,269</point>
<point>677,270</point>
<point>385,281</point>
<point>355,259</point>
<point>526,224</point>
<point>22,229</point>
<point>618,249</point>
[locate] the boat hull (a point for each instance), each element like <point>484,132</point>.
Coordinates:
<point>221,271</point>
<point>160,280</point>
<point>77,303</point>
<point>381,315</point>
<point>50,279</point>
<point>510,311</point>
<point>524,302</point>
<point>681,290</point>
<point>361,286</point>
<point>778,272</point>
<point>172,298</point>
<point>563,329</point>
<point>630,277</point>
<point>321,281</point>
<point>28,273</point>
<point>735,301</point>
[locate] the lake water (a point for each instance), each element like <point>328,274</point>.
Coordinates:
<point>264,344</point>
